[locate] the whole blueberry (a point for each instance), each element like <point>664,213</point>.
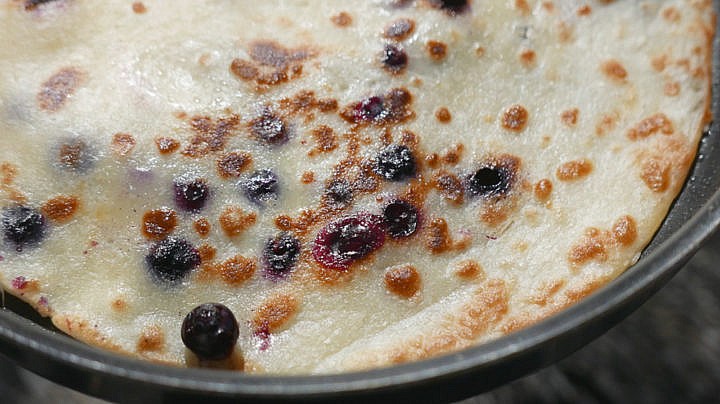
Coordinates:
<point>210,331</point>
<point>191,195</point>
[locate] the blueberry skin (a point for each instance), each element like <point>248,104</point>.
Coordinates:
<point>210,331</point>
<point>170,260</point>
<point>261,186</point>
<point>280,254</point>
<point>23,225</point>
<point>395,163</point>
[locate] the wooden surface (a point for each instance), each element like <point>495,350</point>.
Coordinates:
<point>668,351</point>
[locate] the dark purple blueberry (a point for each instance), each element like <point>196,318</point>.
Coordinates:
<point>394,58</point>
<point>210,331</point>
<point>395,163</point>
<point>348,239</point>
<point>401,219</point>
<point>370,109</point>
<point>191,195</point>
<point>451,6</point>
<point>339,193</point>
<point>261,186</point>
<point>170,260</point>
<point>280,254</point>
<point>269,128</point>
<point>32,4</point>
<point>23,225</point>
<point>490,181</point>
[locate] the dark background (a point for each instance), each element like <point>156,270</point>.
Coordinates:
<point>668,351</point>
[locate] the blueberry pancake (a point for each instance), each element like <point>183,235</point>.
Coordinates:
<point>306,187</point>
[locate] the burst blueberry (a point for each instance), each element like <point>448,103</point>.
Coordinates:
<point>170,260</point>
<point>489,181</point>
<point>261,186</point>
<point>348,239</point>
<point>210,331</point>
<point>280,254</point>
<point>401,219</point>
<point>23,225</point>
<point>339,193</point>
<point>395,163</point>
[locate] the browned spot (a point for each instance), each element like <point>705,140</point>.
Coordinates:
<point>543,189</point>
<point>342,19</point>
<point>574,295</point>
<point>574,170</point>
<point>237,270</point>
<point>305,101</point>
<point>614,70</point>
<point>399,29</point>
<point>671,88</point>
<point>438,237</point>
<point>158,223</point>
<point>522,6</point>
<point>570,117</point>
<point>527,57</point>
<point>284,222</point>
<point>139,8</point>
<point>166,145</point>
<point>391,107</point>
<point>210,135</point>
<point>432,160</point>
<point>590,247</point>
<point>449,186</point>
<point>659,62</point>
<point>275,313</point>
<point>61,208</point>
<point>202,227</point>
<point>234,220</point>
<point>584,10</point>
<point>58,88</point>
<point>325,140</point>
<point>271,64</point>
<point>9,172</point>
<point>479,51</point>
<point>403,280</point>
<point>671,14</point>
<point>651,125</point>
<point>122,144</point>
<point>73,154</point>
<point>565,32</point>
<point>469,269</point>
<point>655,173</point>
<point>548,6</point>
<point>606,124</point>
<point>515,118</point>
<point>231,165</point>
<point>624,230</point>
<point>495,213</point>
<point>119,305</point>
<point>207,252</point>
<point>443,115</point>
<point>453,155</point>
<point>152,339</point>
<point>436,50</point>
<point>546,291</point>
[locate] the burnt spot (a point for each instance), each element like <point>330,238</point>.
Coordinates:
<point>74,154</point>
<point>269,128</point>
<point>400,29</point>
<point>394,59</point>
<point>391,107</point>
<point>494,178</point>
<point>56,90</point>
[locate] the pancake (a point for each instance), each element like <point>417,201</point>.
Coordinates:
<point>349,184</point>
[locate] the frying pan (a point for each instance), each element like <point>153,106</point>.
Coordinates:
<point>33,343</point>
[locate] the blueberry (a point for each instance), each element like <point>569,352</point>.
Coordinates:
<point>401,219</point>
<point>23,225</point>
<point>348,239</point>
<point>269,128</point>
<point>394,58</point>
<point>451,6</point>
<point>339,193</point>
<point>191,195</point>
<point>395,163</point>
<point>210,331</point>
<point>368,110</point>
<point>171,260</point>
<point>261,186</point>
<point>489,181</point>
<point>280,254</point>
